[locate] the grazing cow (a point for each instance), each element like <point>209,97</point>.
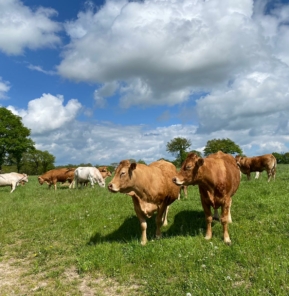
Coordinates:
<point>88,174</point>
<point>12,179</point>
<point>218,178</point>
<point>261,163</point>
<point>151,190</point>
<point>57,175</point>
<point>104,172</point>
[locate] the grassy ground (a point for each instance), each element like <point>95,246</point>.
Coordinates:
<point>86,242</point>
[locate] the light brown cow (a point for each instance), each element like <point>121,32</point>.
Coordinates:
<point>57,175</point>
<point>104,172</point>
<point>218,178</point>
<point>151,189</point>
<point>261,163</point>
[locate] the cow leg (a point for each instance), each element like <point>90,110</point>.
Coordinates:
<point>248,176</point>
<point>142,219</point>
<point>165,216</point>
<point>209,219</point>
<point>161,219</point>
<point>13,186</point>
<point>269,174</point>
<point>71,185</point>
<point>224,220</point>
<point>229,212</point>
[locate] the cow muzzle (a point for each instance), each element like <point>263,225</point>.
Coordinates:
<point>177,181</point>
<point>111,188</point>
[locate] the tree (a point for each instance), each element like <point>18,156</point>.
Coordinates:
<point>224,145</point>
<point>14,138</point>
<point>178,147</point>
<point>36,162</point>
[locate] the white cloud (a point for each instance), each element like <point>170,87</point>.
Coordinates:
<point>21,28</point>
<point>162,51</point>
<point>48,113</point>
<point>4,88</point>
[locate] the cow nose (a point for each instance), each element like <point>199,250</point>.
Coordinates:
<point>174,179</point>
<point>109,186</point>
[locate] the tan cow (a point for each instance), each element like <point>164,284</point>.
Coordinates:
<point>151,189</point>
<point>57,175</point>
<point>218,178</point>
<point>104,172</point>
<point>261,163</point>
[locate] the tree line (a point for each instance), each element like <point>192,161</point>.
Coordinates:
<point>18,150</point>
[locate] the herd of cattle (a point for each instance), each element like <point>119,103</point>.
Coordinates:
<point>154,187</point>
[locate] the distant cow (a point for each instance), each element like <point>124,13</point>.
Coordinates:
<point>261,163</point>
<point>57,175</point>
<point>12,179</point>
<point>104,172</point>
<point>218,178</point>
<point>151,190</point>
<point>88,174</point>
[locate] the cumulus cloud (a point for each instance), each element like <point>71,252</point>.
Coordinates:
<point>21,27</point>
<point>48,113</point>
<point>162,52</point>
<point>4,88</point>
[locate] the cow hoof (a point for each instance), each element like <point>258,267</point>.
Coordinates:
<point>228,242</point>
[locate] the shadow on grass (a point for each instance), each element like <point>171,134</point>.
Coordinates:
<point>184,223</point>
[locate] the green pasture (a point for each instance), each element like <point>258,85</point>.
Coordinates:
<point>86,242</point>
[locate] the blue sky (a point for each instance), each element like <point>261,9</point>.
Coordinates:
<point>102,81</point>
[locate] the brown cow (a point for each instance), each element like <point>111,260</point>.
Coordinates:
<point>151,189</point>
<point>57,175</point>
<point>261,163</point>
<point>218,178</point>
<point>104,172</point>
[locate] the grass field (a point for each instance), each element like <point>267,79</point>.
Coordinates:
<point>86,242</point>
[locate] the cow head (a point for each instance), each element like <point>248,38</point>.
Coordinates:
<point>104,172</point>
<point>188,172</point>
<point>238,159</point>
<point>121,181</point>
<point>40,180</point>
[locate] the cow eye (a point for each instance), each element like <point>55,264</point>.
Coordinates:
<point>188,167</point>
<point>122,174</point>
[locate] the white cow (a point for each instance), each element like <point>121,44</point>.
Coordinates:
<point>12,179</point>
<point>91,174</point>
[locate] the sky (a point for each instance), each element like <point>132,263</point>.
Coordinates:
<point>102,81</point>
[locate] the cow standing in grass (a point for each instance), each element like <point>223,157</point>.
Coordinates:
<point>256,164</point>
<point>57,175</point>
<point>150,188</point>
<point>12,180</point>
<point>218,178</point>
<point>83,175</point>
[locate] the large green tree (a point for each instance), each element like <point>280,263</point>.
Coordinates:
<point>14,138</point>
<point>224,145</point>
<point>178,147</point>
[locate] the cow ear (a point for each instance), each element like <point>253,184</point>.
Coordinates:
<point>200,161</point>
<point>133,166</point>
